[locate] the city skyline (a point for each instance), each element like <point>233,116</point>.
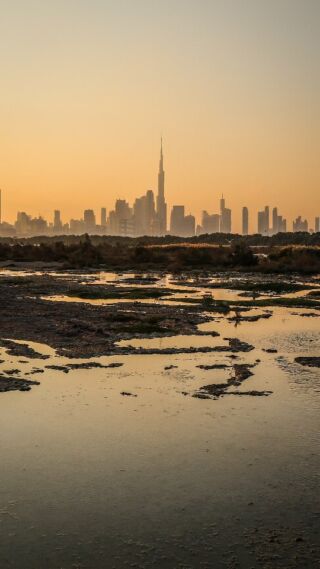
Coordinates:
<point>148,215</point>
<point>87,89</point>
<point>41,210</point>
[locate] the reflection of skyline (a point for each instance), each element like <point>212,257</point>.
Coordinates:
<point>149,216</point>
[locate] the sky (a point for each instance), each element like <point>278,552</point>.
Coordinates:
<point>87,88</point>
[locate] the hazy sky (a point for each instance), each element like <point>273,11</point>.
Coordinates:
<point>88,86</point>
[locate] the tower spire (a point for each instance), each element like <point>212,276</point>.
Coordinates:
<point>161,156</point>
<point>161,203</point>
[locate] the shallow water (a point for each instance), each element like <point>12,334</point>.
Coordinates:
<point>92,479</point>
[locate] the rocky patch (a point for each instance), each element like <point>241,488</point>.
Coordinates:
<point>308,361</point>
<point>217,390</point>
<point>15,384</point>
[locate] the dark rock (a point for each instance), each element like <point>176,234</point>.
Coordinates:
<point>308,361</point>
<point>15,384</point>
<point>213,366</point>
<point>17,349</point>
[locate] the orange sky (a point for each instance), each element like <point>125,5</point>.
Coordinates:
<point>87,88</point>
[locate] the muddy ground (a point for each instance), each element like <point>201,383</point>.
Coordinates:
<point>83,330</point>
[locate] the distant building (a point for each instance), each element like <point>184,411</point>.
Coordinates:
<point>317,224</point>
<point>210,222</point>
<point>300,224</point>
<point>279,225</point>
<point>180,224</point>
<point>122,212</point>
<point>189,226</point>
<point>264,221</point>
<point>126,227</point>
<point>275,221</point>
<point>225,217</point>
<point>161,203</point>
<point>27,225</point>
<point>77,226</point>
<point>150,212</point>
<point>22,224</point>
<point>89,220</point>
<point>177,219</point>
<point>57,223</point>
<point>245,221</point>
<point>7,230</point>
<point>103,217</point>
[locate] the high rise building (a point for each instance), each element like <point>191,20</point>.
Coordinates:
<point>267,219</point>
<point>161,203</point>
<point>300,224</point>
<point>264,221</point>
<point>245,221</point>
<point>275,221</point>
<point>139,216</point>
<point>261,223</point>
<point>189,226</point>
<point>225,217</point>
<point>283,225</point>
<point>57,223</point>
<point>22,224</point>
<point>103,217</point>
<point>181,224</point>
<point>317,224</point>
<point>150,212</point>
<point>76,226</point>
<point>121,213</point>
<point>210,223</point>
<point>89,219</point>
<point>177,219</point>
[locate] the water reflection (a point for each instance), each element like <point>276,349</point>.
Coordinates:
<point>92,478</point>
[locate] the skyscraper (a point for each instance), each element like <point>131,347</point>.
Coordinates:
<point>89,219</point>
<point>275,221</point>
<point>210,222</point>
<point>57,223</point>
<point>300,224</point>
<point>225,217</point>
<point>317,224</point>
<point>245,221</point>
<point>161,203</point>
<point>177,219</point>
<point>150,212</point>
<point>267,218</point>
<point>103,217</point>
<point>264,221</point>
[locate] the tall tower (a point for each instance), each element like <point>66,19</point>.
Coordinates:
<point>245,221</point>
<point>225,217</point>
<point>161,203</point>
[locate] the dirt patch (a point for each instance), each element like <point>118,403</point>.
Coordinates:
<point>23,350</point>
<point>15,384</point>
<point>82,330</point>
<point>87,365</point>
<point>217,390</point>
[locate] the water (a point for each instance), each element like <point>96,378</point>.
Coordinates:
<point>91,478</point>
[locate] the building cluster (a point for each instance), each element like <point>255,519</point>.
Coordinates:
<point>149,216</point>
<point>271,225</point>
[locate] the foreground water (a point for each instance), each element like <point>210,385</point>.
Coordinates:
<point>92,478</point>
